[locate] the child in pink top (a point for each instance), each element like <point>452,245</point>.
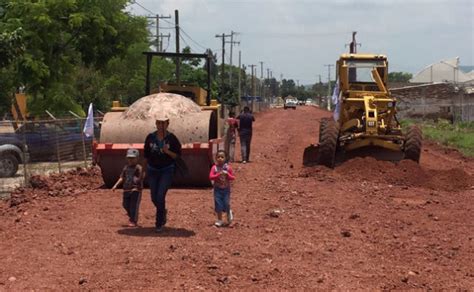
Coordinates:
<point>221,174</point>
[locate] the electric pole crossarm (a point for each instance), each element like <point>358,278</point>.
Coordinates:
<point>158,41</point>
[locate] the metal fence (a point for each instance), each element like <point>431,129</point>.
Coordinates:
<point>41,147</point>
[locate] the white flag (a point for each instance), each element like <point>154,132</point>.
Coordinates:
<point>335,93</point>
<point>335,101</point>
<point>89,125</point>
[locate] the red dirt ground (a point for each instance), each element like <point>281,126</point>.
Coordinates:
<point>364,225</point>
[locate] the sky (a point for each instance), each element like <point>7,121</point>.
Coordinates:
<point>297,38</point>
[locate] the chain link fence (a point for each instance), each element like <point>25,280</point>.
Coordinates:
<point>41,147</point>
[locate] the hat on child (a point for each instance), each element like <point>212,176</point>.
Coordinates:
<point>132,153</point>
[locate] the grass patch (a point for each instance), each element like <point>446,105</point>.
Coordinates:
<point>459,135</point>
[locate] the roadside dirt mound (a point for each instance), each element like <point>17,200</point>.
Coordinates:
<point>454,179</point>
<point>404,173</point>
<point>68,183</point>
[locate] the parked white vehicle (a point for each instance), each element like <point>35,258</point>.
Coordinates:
<point>290,103</point>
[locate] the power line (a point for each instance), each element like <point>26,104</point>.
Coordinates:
<point>146,9</point>
<point>199,45</point>
<point>171,27</point>
<point>167,46</point>
<point>186,43</point>
<point>295,35</point>
<point>169,22</point>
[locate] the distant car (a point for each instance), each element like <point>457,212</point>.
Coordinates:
<point>308,101</point>
<point>290,103</point>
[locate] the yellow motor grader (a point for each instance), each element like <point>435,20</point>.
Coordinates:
<point>365,122</point>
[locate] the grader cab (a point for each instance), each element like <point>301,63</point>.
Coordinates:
<point>365,122</point>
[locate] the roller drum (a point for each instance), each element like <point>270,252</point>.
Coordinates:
<point>192,128</point>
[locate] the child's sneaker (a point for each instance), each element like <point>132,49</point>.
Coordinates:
<point>230,217</point>
<point>219,223</point>
<point>132,224</point>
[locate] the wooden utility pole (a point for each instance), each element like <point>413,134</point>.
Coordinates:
<point>158,36</point>
<point>178,60</point>
<point>261,77</point>
<point>240,76</point>
<point>232,43</point>
<point>253,80</point>
<point>162,36</point>
<point>223,36</point>
<point>268,79</point>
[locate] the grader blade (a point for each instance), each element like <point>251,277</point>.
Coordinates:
<point>377,153</point>
<point>310,155</point>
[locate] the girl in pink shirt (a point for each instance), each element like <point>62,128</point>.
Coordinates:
<point>221,174</point>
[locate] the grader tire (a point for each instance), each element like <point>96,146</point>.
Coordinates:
<point>328,144</point>
<point>413,143</point>
<point>322,126</point>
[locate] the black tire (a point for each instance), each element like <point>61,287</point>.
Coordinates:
<point>322,127</point>
<point>413,142</point>
<point>328,144</point>
<point>8,165</point>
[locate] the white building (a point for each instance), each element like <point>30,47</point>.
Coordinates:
<point>443,71</point>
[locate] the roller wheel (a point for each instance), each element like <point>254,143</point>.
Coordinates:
<point>322,126</point>
<point>413,143</point>
<point>328,144</point>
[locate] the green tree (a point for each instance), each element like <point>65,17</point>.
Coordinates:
<point>60,38</point>
<point>11,46</point>
<point>399,76</point>
<point>288,87</point>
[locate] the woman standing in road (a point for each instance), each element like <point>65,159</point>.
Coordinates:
<point>162,148</point>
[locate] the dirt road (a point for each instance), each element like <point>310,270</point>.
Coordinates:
<point>364,225</point>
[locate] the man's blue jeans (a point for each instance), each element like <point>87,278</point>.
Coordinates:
<point>159,181</point>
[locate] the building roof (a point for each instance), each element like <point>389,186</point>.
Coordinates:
<point>443,71</point>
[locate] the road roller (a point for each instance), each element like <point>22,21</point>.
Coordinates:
<point>195,119</point>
